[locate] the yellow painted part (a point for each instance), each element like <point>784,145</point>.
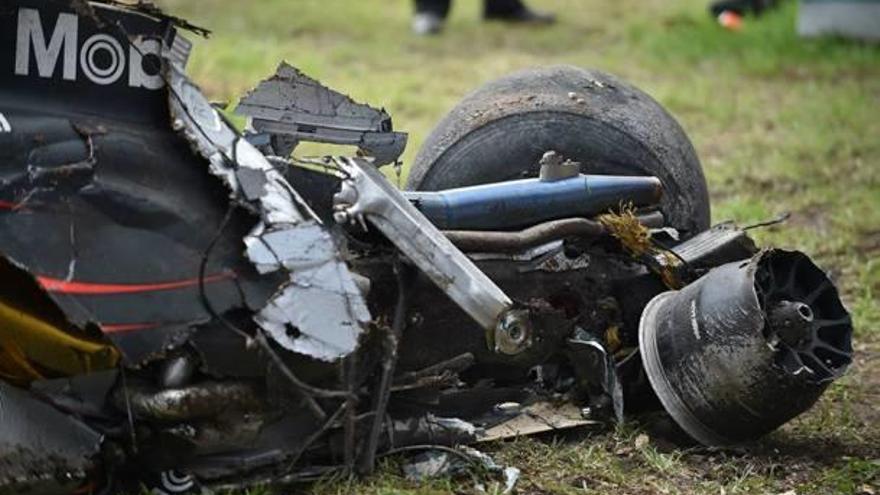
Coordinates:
<point>28,343</point>
<point>15,368</point>
<point>612,338</point>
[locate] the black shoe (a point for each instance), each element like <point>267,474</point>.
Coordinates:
<point>522,15</point>
<point>741,7</point>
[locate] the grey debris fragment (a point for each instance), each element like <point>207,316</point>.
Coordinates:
<point>511,476</point>
<point>508,407</point>
<point>252,182</point>
<point>429,464</point>
<point>435,463</point>
<point>509,473</point>
<point>291,107</point>
<point>325,307</point>
<point>304,248</point>
<point>320,312</point>
<point>434,430</point>
<point>454,424</point>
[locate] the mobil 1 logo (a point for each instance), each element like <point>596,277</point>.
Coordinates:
<point>54,45</point>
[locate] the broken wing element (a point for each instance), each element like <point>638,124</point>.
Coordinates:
<point>319,312</point>
<point>290,107</point>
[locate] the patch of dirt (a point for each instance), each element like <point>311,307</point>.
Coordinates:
<point>757,186</point>
<point>866,369</point>
<point>868,244</point>
<point>814,217</point>
<point>771,185</point>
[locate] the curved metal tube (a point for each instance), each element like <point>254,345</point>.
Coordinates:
<point>197,401</point>
<point>493,241</point>
<point>504,242</point>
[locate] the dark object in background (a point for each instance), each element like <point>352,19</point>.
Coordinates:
<point>430,14</point>
<point>741,7</point>
<point>851,19</point>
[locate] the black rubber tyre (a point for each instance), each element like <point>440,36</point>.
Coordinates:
<point>500,131</point>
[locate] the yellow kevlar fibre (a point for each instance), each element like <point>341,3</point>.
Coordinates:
<point>636,238</point>
<point>31,348</point>
<point>627,229</point>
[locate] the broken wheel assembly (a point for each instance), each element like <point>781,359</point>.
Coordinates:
<point>746,347</point>
<point>196,307</point>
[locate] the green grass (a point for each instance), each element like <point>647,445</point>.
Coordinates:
<point>781,124</point>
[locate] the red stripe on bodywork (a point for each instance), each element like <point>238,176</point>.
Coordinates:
<point>90,288</point>
<point>126,327</point>
<point>9,205</point>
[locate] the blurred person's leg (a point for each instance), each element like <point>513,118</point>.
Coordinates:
<point>515,11</point>
<point>430,15</point>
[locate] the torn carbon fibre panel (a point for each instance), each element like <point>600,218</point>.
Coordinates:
<point>119,247</point>
<point>320,312</point>
<point>112,215</point>
<point>317,294</point>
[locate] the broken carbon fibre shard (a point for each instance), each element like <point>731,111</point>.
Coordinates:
<point>42,450</point>
<point>290,107</point>
<point>321,301</point>
<point>84,8</point>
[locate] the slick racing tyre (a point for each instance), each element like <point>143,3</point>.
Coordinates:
<point>500,131</point>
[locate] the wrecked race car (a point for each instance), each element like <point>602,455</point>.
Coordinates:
<point>184,305</point>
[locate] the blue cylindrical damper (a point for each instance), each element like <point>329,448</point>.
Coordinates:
<point>518,203</point>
